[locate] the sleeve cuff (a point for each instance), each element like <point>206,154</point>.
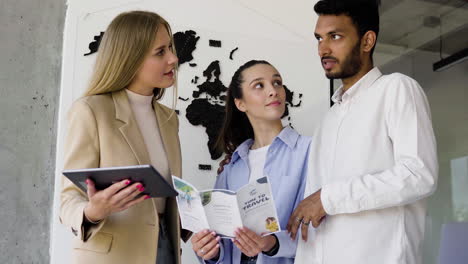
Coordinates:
<point>286,247</point>
<point>89,229</point>
<point>325,197</point>
<point>336,200</point>
<point>274,250</point>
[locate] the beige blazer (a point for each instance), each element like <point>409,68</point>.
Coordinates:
<point>102,132</point>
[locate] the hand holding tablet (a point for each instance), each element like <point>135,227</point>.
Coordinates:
<point>114,189</point>
<point>115,198</point>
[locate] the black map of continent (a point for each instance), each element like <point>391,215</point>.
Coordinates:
<point>209,111</point>
<point>185,43</point>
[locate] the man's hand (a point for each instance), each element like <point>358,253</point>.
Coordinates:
<point>309,210</point>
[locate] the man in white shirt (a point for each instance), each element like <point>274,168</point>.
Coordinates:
<point>373,159</point>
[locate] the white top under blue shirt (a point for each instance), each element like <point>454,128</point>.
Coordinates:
<point>257,159</point>
<point>286,168</point>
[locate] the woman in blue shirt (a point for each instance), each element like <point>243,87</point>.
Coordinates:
<point>260,146</point>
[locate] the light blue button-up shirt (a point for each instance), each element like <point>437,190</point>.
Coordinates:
<point>286,168</point>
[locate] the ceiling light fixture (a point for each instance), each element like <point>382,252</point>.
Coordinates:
<point>451,60</point>
<point>445,63</point>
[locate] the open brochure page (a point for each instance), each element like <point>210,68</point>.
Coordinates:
<point>257,207</point>
<point>190,206</point>
<point>221,211</point>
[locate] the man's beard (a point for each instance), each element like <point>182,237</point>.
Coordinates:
<point>350,66</point>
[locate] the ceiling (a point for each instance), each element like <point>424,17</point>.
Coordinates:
<point>406,25</point>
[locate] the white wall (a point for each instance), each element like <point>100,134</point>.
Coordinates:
<point>277,31</point>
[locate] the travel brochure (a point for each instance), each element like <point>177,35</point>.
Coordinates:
<point>223,211</point>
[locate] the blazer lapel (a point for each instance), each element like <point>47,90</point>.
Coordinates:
<point>170,139</point>
<point>129,127</point>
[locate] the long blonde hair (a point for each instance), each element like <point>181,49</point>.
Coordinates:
<point>122,50</point>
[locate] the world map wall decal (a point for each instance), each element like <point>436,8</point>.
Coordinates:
<point>206,107</point>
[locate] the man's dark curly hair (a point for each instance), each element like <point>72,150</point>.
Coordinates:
<point>363,13</point>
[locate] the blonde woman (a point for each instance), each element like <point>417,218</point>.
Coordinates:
<point>119,122</point>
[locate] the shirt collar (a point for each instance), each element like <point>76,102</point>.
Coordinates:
<point>287,136</point>
<point>363,84</point>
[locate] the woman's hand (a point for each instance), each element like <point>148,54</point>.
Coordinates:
<point>205,244</point>
<point>252,244</point>
<point>115,198</point>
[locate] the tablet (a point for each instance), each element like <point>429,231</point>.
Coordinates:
<point>155,185</point>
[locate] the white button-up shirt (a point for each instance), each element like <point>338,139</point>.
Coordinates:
<point>374,156</point>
